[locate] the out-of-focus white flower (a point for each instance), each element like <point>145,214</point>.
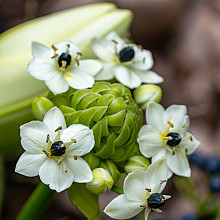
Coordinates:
<point>60,67</point>
<point>142,191</point>
<point>54,152</point>
<point>165,136</point>
<point>128,63</point>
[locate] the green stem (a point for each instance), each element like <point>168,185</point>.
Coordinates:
<point>36,203</point>
<point>1,182</point>
<point>117,190</point>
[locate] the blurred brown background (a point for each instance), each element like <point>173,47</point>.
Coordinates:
<point>184,37</point>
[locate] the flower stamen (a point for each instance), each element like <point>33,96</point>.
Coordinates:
<point>144,205</point>
<point>59,128</point>
<point>170,124</point>
<point>168,138</point>
<point>60,161</point>
<point>48,138</point>
<point>47,153</point>
<point>75,156</point>
<point>186,150</point>
<point>149,190</point>
<point>114,41</point>
<point>190,138</point>
<point>163,181</point>
<point>73,140</point>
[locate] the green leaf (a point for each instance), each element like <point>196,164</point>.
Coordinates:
<point>85,201</point>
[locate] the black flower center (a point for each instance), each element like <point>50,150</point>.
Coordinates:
<point>126,54</point>
<point>156,200</point>
<point>57,148</point>
<point>64,60</point>
<point>175,139</point>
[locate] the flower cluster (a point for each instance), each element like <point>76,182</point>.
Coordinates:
<point>95,128</point>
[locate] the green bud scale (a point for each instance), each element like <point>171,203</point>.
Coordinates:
<point>110,111</point>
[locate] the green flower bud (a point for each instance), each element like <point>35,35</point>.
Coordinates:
<point>112,169</point>
<point>40,106</point>
<point>111,112</point>
<point>92,160</point>
<point>102,181</point>
<point>135,163</point>
<point>146,93</point>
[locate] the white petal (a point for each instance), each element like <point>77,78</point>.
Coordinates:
<point>127,77</point>
<point>135,184</point>
<point>114,36</point>
<point>146,213</point>
<point>158,171</point>
<point>190,142</point>
<point>178,163</point>
<point>67,46</point>
<point>143,59</point>
<point>82,135</point>
<point>54,119</point>
<point>121,208</point>
<point>158,156</point>
<point>90,66</point>
<point>155,117</point>
<point>58,177</point>
<point>57,84</point>
<point>175,114</point>
<point>33,136</point>
<point>42,69</point>
<point>107,71</point>
<point>80,169</point>
<point>149,77</point>
<point>29,164</point>
<point>103,48</point>
<point>40,51</point>
<point>79,80</point>
<point>150,142</point>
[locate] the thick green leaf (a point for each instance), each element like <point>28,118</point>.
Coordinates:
<point>85,201</point>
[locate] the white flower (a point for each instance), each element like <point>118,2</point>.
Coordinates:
<point>54,152</point>
<point>60,67</point>
<point>165,135</point>
<point>142,191</point>
<point>128,63</point>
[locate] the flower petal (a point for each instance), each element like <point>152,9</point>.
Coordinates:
<point>57,84</point>
<point>121,208</point>
<point>107,71</point>
<point>82,135</point>
<point>114,36</point>
<point>127,77</point>
<point>80,169</point>
<point>146,213</point>
<point>54,119</point>
<point>135,184</point>
<point>103,48</point>
<point>142,60</point>
<point>78,79</point>
<point>40,51</point>
<point>90,66</point>
<point>42,69</point>
<point>178,163</point>
<point>150,142</point>
<point>155,117</point>
<point>58,177</point>
<point>29,164</point>
<point>33,136</point>
<point>175,114</point>
<point>190,142</point>
<point>149,77</point>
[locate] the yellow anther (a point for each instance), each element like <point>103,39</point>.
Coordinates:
<point>54,48</point>
<point>47,153</point>
<point>54,56</point>
<point>190,138</point>
<point>114,41</point>
<point>186,150</point>
<point>162,200</point>
<point>59,128</point>
<point>64,64</point>
<point>73,140</point>
<point>170,124</point>
<point>183,126</point>
<point>168,138</point>
<point>141,47</point>
<point>173,152</point>
<point>48,138</point>
<point>60,161</point>
<point>77,62</point>
<point>78,53</point>
<point>75,156</point>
